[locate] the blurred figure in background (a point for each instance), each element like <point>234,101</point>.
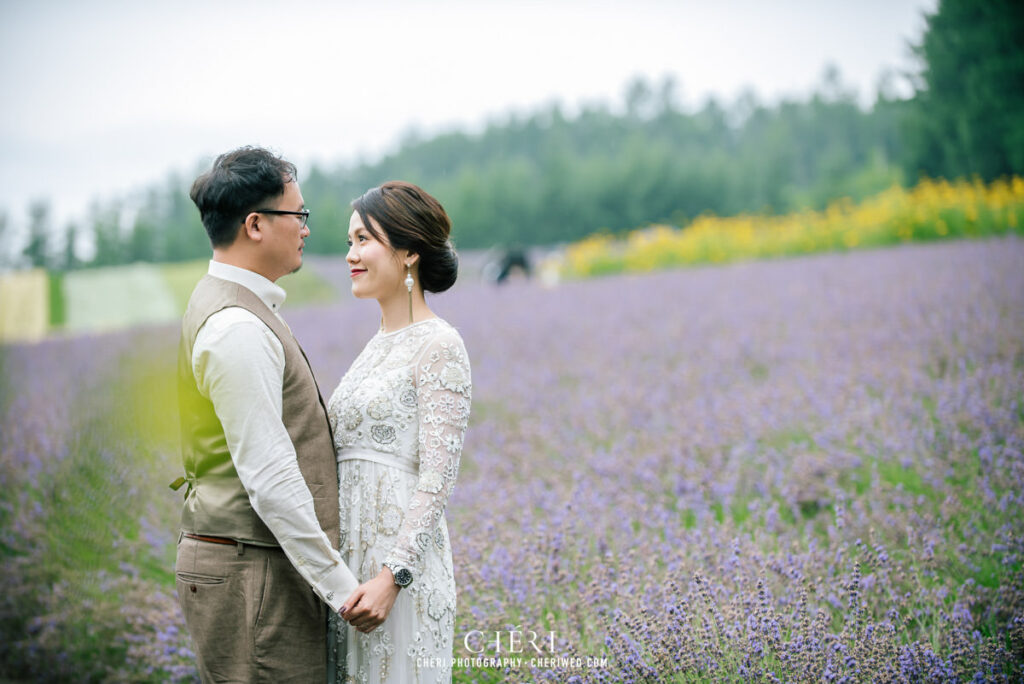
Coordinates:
<point>502,263</point>
<point>513,258</point>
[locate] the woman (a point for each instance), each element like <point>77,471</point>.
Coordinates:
<point>399,416</point>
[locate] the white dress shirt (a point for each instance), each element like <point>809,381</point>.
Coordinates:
<point>238,364</point>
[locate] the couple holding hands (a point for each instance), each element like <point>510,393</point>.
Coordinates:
<point>313,542</point>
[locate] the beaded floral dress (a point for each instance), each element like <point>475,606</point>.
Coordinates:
<point>399,415</point>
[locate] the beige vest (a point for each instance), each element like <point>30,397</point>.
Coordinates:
<point>216,504</point>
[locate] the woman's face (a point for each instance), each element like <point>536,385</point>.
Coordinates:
<point>377,271</point>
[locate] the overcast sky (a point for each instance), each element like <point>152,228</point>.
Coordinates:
<point>103,97</point>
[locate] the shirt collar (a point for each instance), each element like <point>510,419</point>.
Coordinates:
<point>271,294</point>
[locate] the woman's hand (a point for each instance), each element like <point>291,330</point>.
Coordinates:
<point>371,602</point>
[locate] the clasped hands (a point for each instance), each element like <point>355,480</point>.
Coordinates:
<point>369,605</point>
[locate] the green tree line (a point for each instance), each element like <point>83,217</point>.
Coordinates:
<point>547,177</point>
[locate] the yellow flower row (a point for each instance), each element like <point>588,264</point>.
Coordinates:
<point>24,305</point>
<point>934,209</point>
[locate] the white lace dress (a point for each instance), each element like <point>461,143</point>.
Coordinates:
<point>399,416</point>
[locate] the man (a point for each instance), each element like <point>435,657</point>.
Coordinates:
<point>257,565</point>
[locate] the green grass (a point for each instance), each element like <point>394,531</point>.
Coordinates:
<point>58,307</point>
<point>117,297</point>
<point>785,438</point>
<point>306,287</point>
<point>181,278</point>
<point>907,479</point>
<point>303,287</point>
<point>718,511</point>
<point>758,371</point>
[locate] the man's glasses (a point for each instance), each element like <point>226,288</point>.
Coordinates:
<point>304,214</point>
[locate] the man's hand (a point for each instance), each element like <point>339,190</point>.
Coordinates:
<point>371,602</point>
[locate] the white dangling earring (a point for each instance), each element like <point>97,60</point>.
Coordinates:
<point>408,286</point>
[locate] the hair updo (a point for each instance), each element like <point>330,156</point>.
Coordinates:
<point>415,221</point>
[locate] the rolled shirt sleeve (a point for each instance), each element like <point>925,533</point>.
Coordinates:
<point>239,364</point>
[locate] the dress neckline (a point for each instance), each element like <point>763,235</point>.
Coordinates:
<point>381,333</point>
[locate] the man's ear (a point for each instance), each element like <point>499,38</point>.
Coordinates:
<point>252,228</point>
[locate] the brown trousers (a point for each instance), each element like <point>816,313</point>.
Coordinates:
<point>251,616</point>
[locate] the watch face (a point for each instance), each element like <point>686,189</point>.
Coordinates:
<point>403,577</point>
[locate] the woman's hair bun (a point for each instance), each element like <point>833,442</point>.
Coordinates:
<point>439,268</point>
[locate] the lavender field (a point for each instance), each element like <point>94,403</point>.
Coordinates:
<point>798,470</point>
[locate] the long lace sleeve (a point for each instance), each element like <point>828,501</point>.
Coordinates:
<point>444,393</point>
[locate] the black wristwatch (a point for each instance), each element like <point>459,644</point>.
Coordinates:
<point>403,577</point>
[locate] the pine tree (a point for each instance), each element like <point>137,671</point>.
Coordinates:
<point>969,113</point>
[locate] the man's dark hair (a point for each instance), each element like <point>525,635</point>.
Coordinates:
<point>239,182</point>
